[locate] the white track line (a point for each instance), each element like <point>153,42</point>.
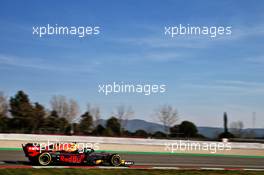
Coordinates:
<point>248,169</point>
<point>159,168</point>
<point>212,168</point>
<point>109,167</point>
<point>40,167</point>
<point>166,168</point>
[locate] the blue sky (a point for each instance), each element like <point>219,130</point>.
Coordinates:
<point>204,76</point>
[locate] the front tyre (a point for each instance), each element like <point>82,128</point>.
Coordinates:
<point>115,160</point>
<point>44,159</point>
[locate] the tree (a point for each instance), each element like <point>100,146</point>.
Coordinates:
<point>51,123</point>
<point>225,123</point>
<point>127,133</point>
<point>237,128</point>
<point>159,135</point>
<point>168,116</point>
<point>68,109</point>
<point>226,133</point>
<point>123,114</point>
<point>109,132</point>
<point>95,112</point>
<point>86,123</point>
<point>76,128</point>
<point>3,112</point>
<point>60,105</point>
<point>23,112</point>
<point>113,125</point>
<point>141,133</point>
<point>3,104</point>
<point>26,116</point>
<point>55,124</point>
<point>39,116</point>
<point>73,112</point>
<point>64,125</point>
<point>175,131</point>
<point>188,129</point>
<point>99,130</point>
<point>3,124</point>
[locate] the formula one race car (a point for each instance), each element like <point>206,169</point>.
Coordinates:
<point>45,156</point>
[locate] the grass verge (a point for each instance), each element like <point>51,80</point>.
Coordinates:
<point>120,172</point>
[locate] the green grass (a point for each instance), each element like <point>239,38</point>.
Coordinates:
<point>119,172</point>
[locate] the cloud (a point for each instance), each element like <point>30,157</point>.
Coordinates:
<point>166,56</point>
<point>165,42</point>
<point>231,87</point>
<point>248,31</point>
<point>255,60</point>
<point>41,64</point>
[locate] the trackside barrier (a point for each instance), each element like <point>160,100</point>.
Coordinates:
<point>114,140</point>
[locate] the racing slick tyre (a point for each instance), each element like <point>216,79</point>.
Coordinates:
<point>115,160</point>
<point>44,159</point>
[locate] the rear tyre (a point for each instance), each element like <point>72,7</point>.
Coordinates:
<point>115,160</point>
<point>44,159</point>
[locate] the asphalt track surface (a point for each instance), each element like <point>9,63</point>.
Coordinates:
<point>188,161</point>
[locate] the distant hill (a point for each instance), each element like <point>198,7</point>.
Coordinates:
<point>210,132</point>
<point>136,124</point>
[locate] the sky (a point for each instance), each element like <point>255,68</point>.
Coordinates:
<point>204,76</point>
